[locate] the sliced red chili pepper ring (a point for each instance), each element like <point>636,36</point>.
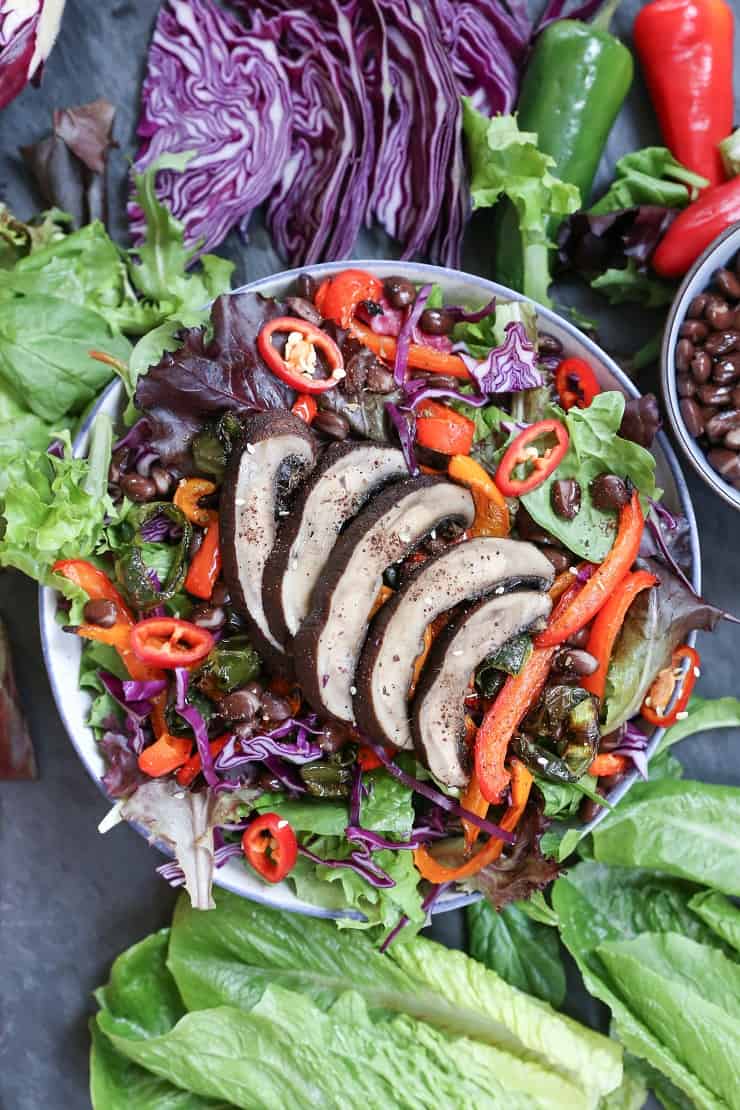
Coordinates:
<point>270,846</point>
<point>169,642</point>
<point>672,687</point>
<point>299,361</point>
<point>576,383</point>
<point>522,452</point>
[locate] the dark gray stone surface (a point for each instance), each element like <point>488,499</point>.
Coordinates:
<point>69,899</point>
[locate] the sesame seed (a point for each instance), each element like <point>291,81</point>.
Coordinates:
<point>353,690</point>
<point>250,448</point>
<point>697,672</point>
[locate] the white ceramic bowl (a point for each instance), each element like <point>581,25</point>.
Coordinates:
<point>62,651</point>
<point>715,257</point>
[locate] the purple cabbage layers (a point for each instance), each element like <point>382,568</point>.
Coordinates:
<point>335,113</point>
<point>213,89</point>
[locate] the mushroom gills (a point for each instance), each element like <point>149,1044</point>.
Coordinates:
<point>275,452</point>
<point>438,709</point>
<point>347,476</point>
<point>328,644</point>
<point>462,573</point>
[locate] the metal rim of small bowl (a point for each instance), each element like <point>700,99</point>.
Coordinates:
<point>676,316</point>
<point>454,899</point>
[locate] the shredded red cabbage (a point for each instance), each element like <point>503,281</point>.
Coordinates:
<point>404,422</point>
<point>190,714</point>
<point>172,873</point>
<point>463,316</point>
<point>133,697</point>
<point>509,368</point>
<point>239,751</point>
<point>390,322</point>
<point>405,335</point>
<point>364,866</point>
<point>403,920</point>
<point>633,745</point>
<point>216,90</point>
<point>437,796</point>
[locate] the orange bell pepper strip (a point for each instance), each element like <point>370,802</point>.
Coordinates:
<point>603,582</point>
<point>421,658</point>
<point>608,624</point>
<point>206,565</point>
<point>491,510</point>
<point>187,499</point>
<point>473,801</point>
<point>435,872</point>
<point>380,599</point>
<point>194,765</point>
<point>420,356</point>
<point>166,754</point>
<point>562,583</point>
<point>608,764</point>
<point>98,587</point>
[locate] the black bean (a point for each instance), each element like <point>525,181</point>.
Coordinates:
<point>333,737</point>
<point>275,708</point>
<point>685,385</point>
<point>549,344</point>
<point>162,480</point>
<point>379,378</point>
<point>692,417</point>
<point>684,355</point>
<point>609,491</point>
<point>701,367</point>
<point>613,739</point>
<point>727,463</point>
<point>301,306</point>
<point>399,291</point>
<point>558,558</point>
<point>138,488</point>
<point>719,314</point>
<point>100,612</point>
<point>722,423</point>
<point>435,321</point>
<point>580,638</point>
<point>565,497</point>
<point>732,439</point>
<point>220,594</point>
<point>726,370</point>
<point>306,286</point>
<point>735,397</point>
<point>696,307</point>
<point>722,342</point>
<point>575,661</point>
<point>695,330</point>
<point>392,576</point>
<point>240,705</point>
<point>195,542</point>
<point>332,424</point>
<point>714,394</point>
<point>210,617</point>
<point>728,283</point>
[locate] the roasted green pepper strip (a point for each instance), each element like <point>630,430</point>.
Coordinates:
<point>132,572</point>
<point>232,663</point>
<point>574,85</point>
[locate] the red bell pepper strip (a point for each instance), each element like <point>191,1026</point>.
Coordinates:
<point>190,770</point>
<point>338,297</point>
<point>169,642</point>
<point>305,407</point>
<point>576,383</point>
<point>440,428</point>
<point>98,586</point>
<point>685,47</point>
<point>696,227</point>
<point>436,872</point>
<point>420,356</point>
<point>604,580</point>
<point>188,497</point>
<point>521,452</point>
<point>608,764</point>
<point>291,368</point>
<point>654,708</point>
<point>271,847</point>
<point>206,564</point>
<point>608,624</point>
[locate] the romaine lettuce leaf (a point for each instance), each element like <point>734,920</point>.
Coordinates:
<point>720,914</point>
<point>523,952</point>
<point>704,714</point>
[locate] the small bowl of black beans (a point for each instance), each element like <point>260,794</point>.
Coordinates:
<point>700,366</point>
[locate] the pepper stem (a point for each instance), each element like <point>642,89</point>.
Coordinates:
<point>603,20</point>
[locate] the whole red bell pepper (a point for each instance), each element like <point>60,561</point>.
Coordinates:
<point>696,227</point>
<point>685,47</point>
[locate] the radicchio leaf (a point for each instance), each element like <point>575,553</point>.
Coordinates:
<point>591,244</point>
<point>520,870</point>
<point>213,88</point>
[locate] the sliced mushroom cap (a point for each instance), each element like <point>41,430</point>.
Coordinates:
<point>329,641</point>
<point>462,573</point>
<point>438,710</point>
<point>346,477</point>
<point>275,452</point>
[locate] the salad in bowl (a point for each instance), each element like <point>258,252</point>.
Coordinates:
<point>389,604</point>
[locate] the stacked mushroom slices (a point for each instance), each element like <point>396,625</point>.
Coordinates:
<point>305,550</point>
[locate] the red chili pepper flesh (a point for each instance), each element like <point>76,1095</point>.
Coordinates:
<point>338,296</point>
<point>305,407</point>
<point>169,642</point>
<point>576,383</point>
<point>206,565</point>
<point>270,846</point>
<point>296,367</point>
<point>522,453</point>
<point>655,706</point>
<point>440,428</point>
